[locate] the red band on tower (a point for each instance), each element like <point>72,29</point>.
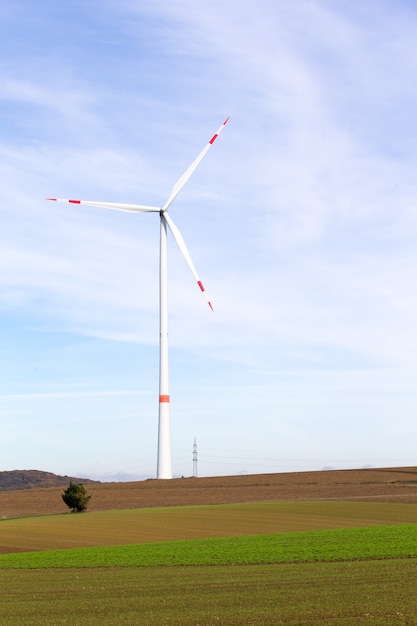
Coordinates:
<point>163,399</point>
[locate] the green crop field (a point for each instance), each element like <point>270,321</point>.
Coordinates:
<point>348,563</point>
<point>363,593</point>
<point>343,544</point>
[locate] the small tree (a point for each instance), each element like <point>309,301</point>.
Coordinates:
<point>76,497</point>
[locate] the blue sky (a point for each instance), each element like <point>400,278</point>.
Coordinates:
<point>301,220</point>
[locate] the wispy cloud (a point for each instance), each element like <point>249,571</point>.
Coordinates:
<point>301,220</point>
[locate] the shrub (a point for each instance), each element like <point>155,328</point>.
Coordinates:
<point>76,497</point>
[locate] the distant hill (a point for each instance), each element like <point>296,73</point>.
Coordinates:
<point>17,480</point>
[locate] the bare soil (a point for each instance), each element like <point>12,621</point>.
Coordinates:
<point>378,485</point>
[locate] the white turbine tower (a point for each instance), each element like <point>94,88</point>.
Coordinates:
<point>164,468</point>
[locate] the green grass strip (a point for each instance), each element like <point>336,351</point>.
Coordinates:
<point>344,544</point>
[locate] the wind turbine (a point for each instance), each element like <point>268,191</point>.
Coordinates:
<point>164,464</point>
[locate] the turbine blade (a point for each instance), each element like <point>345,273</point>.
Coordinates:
<point>131,208</point>
<point>183,179</point>
<point>181,244</point>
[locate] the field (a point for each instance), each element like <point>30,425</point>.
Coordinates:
<point>342,550</point>
<point>371,593</point>
<point>373,485</point>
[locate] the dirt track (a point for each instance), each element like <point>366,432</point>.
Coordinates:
<point>383,485</point>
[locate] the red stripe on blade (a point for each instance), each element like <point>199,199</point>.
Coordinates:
<point>200,284</point>
<point>213,139</point>
<point>75,201</point>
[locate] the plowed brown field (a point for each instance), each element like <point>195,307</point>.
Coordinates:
<point>379,485</point>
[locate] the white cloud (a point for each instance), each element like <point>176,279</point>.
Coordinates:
<point>301,220</point>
